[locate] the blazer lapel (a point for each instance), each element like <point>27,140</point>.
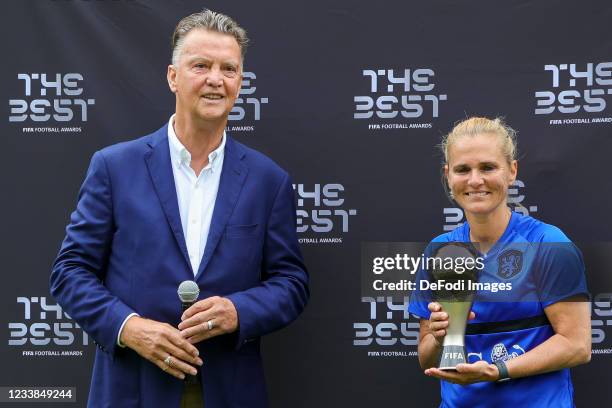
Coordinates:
<point>233,174</point>
<point>160,168</point>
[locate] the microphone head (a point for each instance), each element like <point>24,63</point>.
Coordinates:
<point>188,291</point>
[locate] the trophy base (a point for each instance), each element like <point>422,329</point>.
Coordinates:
<point>451,356</point>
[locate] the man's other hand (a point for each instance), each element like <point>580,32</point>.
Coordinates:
<point>162,345</point>
<point>208,318</point>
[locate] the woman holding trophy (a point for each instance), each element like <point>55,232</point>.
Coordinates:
<point>519,344</point>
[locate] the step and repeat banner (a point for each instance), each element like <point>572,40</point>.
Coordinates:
<point>352,98</point>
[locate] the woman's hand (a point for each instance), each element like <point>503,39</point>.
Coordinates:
<point>466,373</point>
<point>438,321</point>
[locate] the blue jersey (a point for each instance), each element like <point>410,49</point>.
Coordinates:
<point>543,267</point>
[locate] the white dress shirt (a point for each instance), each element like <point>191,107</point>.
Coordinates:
<point>196,196</point>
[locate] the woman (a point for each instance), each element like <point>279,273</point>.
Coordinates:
<point>519,352</point>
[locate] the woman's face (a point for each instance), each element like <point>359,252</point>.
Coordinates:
<point>478,174</point>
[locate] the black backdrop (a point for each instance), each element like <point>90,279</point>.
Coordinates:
<point>329,98</point>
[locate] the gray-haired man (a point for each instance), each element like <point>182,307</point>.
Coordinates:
<point>184,203</point>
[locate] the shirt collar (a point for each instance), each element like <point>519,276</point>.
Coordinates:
<point>180,155</point>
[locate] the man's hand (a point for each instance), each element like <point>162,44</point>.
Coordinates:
<point>467,373</point>
<point>208,318</point>
<point>162,345</point>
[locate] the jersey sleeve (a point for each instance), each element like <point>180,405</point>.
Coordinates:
<point>561,272</point>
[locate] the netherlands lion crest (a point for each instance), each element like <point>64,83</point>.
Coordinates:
<point>510,263</point>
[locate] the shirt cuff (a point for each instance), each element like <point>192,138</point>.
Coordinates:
<point>121,329</point>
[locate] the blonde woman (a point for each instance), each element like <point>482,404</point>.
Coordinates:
<point>519,347</point>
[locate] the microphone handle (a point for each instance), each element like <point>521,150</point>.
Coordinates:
<point>190,379</point>
<point>186,305</point>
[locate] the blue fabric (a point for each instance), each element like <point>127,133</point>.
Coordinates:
<point>125,252</point>
<point>551,269</point>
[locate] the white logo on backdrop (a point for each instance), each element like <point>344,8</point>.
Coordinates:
<point>388,329</point>
<point>248,106</point>
<point>322,215</point>
<point>576,90</point>
<point>399,99</point>
<point>49,100</point>
<point>42,323</point>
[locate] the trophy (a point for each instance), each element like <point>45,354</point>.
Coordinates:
<point>455,296</point>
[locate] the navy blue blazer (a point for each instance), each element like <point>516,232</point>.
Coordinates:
<point>125,252</point>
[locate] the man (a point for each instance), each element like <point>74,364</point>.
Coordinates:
<point>184,203</point>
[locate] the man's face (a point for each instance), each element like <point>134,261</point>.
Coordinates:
<point>207,77</point>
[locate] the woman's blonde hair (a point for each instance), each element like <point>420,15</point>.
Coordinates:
<point>476,125</point>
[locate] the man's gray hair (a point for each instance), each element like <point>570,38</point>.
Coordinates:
<point>207,20</point>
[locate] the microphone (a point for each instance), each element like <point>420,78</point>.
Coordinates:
<point>188,292</point>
